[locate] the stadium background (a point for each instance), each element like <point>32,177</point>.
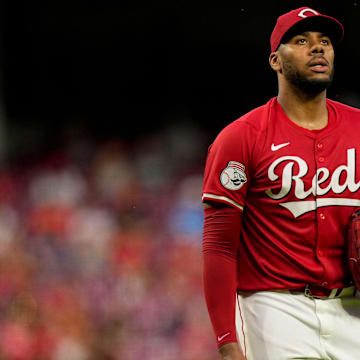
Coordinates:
<point>106,111</point>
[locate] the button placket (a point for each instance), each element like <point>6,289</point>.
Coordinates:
<point>319,147</point>
<point>321,213</point>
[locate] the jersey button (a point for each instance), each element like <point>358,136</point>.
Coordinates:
<point>319,145</point>
<point>322,216</point>
<point>321,159</point>
<point>324,284</point>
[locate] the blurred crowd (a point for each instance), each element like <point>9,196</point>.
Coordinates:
<point>100,251</point>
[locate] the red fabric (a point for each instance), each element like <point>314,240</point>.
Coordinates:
<point>220,244</point>
<point>298,190</point>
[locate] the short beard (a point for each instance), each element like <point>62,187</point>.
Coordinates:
<point>307,86</point>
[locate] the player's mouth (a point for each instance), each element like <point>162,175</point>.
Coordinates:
<point>318,65</point>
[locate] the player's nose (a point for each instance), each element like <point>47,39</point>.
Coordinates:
<point>317,48</point>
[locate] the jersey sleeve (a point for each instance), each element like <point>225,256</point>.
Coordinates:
<point>228,166</point>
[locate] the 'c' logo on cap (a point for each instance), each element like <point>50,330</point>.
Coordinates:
<point>302,12</point>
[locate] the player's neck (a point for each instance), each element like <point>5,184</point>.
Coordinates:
<point>308,111</point>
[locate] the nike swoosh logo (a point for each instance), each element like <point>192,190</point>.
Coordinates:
<point>223,337</point>
<point>277,147</point>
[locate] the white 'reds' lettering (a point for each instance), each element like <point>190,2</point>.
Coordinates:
<point>322,174</point>
<point>288,177</point>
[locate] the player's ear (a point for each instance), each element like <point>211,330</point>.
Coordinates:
<point>274,61</point>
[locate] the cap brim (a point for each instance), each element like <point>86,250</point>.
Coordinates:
<point>322,23</point>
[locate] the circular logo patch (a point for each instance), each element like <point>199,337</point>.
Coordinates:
<point>233,177</point>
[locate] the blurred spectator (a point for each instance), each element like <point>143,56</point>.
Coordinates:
<point>100,253</point>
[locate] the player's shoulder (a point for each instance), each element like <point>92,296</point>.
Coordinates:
<point>344,109</point>
<point>257,116</point>
<point>250,122</point>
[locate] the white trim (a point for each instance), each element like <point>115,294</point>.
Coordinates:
<point>337,202</point>
<point>298,208</point>
<point>223,198</point>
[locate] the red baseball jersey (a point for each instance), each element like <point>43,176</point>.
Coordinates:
<point>296,189</point>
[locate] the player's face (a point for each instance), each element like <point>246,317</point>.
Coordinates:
<point>307,61</point>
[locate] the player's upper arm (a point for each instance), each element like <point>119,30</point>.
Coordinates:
<point>228,166</point>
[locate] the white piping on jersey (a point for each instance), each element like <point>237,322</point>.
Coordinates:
<point>224,198</point>
<point>298,208</point>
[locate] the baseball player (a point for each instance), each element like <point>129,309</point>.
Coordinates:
<point>280,185</point>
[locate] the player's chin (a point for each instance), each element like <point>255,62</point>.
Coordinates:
<point>320,79</point>
<point>320,76</point>
<point>315,84</point>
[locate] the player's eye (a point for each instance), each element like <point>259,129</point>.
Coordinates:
<point>325,42</point>
<point>301,41</point>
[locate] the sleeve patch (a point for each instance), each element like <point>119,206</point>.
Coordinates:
<point>233,177</point>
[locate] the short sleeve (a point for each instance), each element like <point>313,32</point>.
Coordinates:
<point>227,169</point>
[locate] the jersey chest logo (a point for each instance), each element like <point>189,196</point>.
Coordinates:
<point>291,180</point>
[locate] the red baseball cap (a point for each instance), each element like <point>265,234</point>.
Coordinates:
<point>308,18</point>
